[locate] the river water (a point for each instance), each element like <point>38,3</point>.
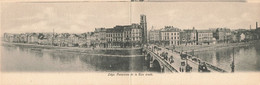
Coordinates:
<point>21,58</point>
<point>24,59</point>
<point>247,58</point>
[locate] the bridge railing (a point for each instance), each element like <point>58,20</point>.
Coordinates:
<point>207,63</point>
<point>168,65</point>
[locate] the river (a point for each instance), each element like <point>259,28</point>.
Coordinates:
<point>28,59</point>
<point>247,58</point>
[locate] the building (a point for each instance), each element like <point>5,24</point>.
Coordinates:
<point>133,35</point>
<point>242,37</point>
<point>115,36</point>
<point>188,37</point>
<point>33,38</point>
<point>257,31</point>
<point>73,40</point>
<point>154,36</point>
<point>90,39</point>
<point>235,37</point>
<point>204,37</point>
<point>138,35</point>
<point>62,39</point>
<point>143,25</point>
<point>124,36</point>
<point>223,35</point>
<point>82,40</point>
<point>100,35</point>
<point>170,36</point>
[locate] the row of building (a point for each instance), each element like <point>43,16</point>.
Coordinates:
<point>133,35</point>
<point>170,35</point>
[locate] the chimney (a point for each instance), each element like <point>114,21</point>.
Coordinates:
<point>256,25</point>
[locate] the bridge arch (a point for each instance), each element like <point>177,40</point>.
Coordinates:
<point>156,66</point>
<point>148,59</point>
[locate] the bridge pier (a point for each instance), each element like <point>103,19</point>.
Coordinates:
<point>156,63</point>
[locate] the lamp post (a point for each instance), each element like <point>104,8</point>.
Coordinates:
<point>233,63</point>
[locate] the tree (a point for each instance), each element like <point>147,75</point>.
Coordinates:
<point>40,36</point>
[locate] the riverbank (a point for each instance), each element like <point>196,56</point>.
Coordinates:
<point>214,46</point>
<point>109,51</point>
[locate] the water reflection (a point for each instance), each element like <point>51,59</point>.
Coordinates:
<point>18,58</point>
<point>246,58</point>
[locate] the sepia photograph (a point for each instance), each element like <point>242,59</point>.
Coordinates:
<point>130,38</point>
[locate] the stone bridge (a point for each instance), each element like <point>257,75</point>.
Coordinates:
<point>157,63</point>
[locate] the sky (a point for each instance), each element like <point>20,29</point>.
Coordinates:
<point>203,0</point>
<point>79,17</point>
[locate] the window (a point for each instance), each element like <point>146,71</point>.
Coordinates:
<point>174,33</point>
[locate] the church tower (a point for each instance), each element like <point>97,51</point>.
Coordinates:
<point>143,24</point>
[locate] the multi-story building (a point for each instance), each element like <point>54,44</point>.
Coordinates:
<point>90,39</point>
<point>115,36</point>
<point>82,41</point>
<point>8,37</point>
<point>137,35</point>
<point>223,35</point>
<point>170,36</point>
<point>124,36</point>
<point>73,40</point>
<point>100,35</point>
<point>188,37</point>
<point>133,35</point>
<point>154,36</point>
<point>204,37</point>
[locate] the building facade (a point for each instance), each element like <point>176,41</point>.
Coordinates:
<point>223,35</point>
<point>170,36</point>
<point>100,35</point>
<point>204,37</point>
<point>154,36</point>
<point>188,37</point>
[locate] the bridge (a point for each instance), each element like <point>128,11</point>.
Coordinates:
<point>156,62</point>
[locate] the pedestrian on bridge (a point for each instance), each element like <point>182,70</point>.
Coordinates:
<point>171,60</point>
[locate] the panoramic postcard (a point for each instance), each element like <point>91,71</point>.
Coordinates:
<point>124,37</point>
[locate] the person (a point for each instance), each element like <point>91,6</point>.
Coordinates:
<point>182,66</point>
<point>171,60</point>
<point>166,57</point>
<point>199,66</point>
<point>188,68</point>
